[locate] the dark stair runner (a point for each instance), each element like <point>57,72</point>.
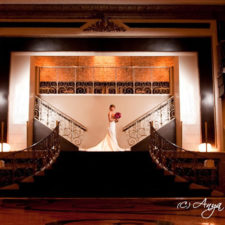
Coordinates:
<point>104,174</point>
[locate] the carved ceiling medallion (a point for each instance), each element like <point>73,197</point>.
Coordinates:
<point>105,25</point>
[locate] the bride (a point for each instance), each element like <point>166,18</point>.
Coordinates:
<point>109,143</point>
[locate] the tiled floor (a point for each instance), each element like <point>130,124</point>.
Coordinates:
<point>105,212</point>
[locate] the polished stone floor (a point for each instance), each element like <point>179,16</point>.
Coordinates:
<point>121,211</point>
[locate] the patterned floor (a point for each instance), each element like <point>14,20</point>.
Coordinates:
<point>109,212</point>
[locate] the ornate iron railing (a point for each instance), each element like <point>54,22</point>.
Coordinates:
<point>90,80</point>
<point>17,166</point>
<point>89,87</point>
<point>139,129</point>
<point>47,114</point>
<point>192,166</point>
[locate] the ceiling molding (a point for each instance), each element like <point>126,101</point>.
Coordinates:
<point>112,11</point>
<point>118,2</point>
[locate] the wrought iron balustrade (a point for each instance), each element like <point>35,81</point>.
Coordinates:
<point>17,166</point>
<point>89,87</point>
<point>186,164</point>
<point>47,114</point>
<point>139,129</point>
<point>104,79</point>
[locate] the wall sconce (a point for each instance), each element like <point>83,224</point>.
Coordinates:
<point>4,147</point>
<point>208,99</point>
<point>205,147</point>
<point>2,99</point>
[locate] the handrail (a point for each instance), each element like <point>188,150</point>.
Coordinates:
<point>116,67</point>
<point>25,163</point>
<point>161,114</point>
<point>148,113</point>
<point>47,114</point>
<point>47,104</point>
<point>170,157</point>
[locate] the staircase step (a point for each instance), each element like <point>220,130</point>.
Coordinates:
<point>105,174</point>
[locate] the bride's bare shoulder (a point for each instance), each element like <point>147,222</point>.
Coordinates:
<point>110,114</point>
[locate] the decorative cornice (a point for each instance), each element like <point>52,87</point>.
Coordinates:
<point>105,25</point>
<point>118,2</point>
<point>112,11</point>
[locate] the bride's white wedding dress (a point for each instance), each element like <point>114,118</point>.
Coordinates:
<point>109,143</point>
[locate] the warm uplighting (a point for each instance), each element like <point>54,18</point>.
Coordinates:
<point>207,223</point>
<point>208,99</point>
<point>6,147</point>
<point>202,147</point>
<point>2,99</point>
<point>104,60</point>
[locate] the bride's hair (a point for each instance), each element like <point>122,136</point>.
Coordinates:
<point>112,106</point>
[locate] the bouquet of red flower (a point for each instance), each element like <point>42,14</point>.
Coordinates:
<point>117,115</point>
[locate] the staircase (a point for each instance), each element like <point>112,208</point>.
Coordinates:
<point>21,166</point>
<point>70,130</point>
<point>138,131</point>
<point>109,174</point>
<point>162,170</point>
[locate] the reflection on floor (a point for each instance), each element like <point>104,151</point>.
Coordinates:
<point>120,211</point>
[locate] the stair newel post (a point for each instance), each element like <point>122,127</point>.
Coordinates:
<point>71,130</point>
<point>57,123</point>
<point>33,151</point>
<point>57,135</point>
<point>161,116</point>
<point>38,108</point>
<point>151,126</point>
<point>47,119</point>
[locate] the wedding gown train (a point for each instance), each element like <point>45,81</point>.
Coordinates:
<point>109,143</point>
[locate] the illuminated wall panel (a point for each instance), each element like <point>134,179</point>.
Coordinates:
<point>101,74</point>
<point>190,101</point>
<point>18,101</point>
